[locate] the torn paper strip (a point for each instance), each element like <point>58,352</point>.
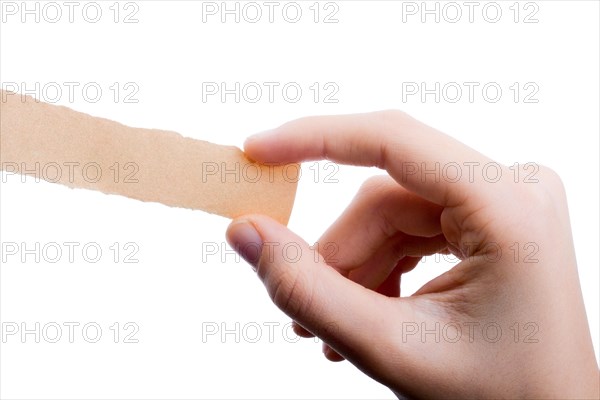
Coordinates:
<point>61,145</point>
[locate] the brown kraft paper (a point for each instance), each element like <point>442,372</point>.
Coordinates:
<point>60,145</point>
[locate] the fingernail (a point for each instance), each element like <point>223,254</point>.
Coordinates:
<point>261,135</point>
<point>245,240</point>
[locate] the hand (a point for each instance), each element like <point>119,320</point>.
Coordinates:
<point>493,326</point>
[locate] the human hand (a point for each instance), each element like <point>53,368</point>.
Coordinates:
<point>498,325</point>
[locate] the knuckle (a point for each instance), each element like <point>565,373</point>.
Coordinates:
<point>548,190</point>
<point>374,183</point>
<point>552,180</point>
<point>393,116</point>
<point>394,120</point>
<point>545,196</point>
<point>373,191</point>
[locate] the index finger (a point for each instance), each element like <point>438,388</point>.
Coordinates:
<point>420,158</point>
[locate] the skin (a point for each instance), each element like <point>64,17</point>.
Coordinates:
<point>352,300</point>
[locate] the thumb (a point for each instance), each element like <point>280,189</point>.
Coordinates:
<point>347,316</point>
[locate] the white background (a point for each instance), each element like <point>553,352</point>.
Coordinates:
<point>177,290</point>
